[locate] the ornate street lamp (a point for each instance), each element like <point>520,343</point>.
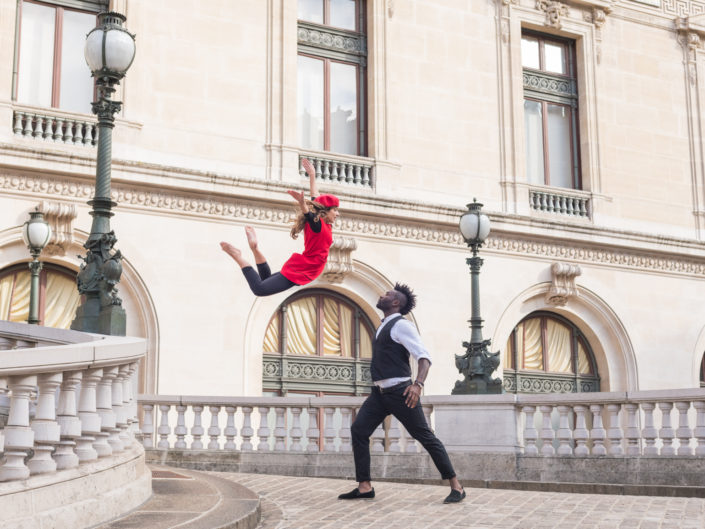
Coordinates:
<point>109,51</point>
<point>36,233</point>
<point>477,364</point>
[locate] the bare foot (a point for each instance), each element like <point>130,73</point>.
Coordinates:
<point>251,237</point>
<point>234,253</point>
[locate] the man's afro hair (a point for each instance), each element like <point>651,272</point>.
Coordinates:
<point>409,297</point>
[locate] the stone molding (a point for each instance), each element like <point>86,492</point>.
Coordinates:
<point>330,39</point>
<point>178,202</point>
<point>563,283</point>
<point>339,262</point>
<point>60,217</point>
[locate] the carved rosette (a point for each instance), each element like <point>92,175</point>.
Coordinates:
<point>563,283</point>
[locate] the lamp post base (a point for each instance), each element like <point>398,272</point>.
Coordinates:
<point>91,317</point>
<point>477,386</point>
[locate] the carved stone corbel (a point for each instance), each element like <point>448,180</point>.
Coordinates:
<point>60,217</point>
<point>339,262</point>
<point>555,11</point>
<point>563,283</point>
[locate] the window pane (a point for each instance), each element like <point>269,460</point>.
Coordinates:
<point>554,57</point>
<point>301,327</point>
<point>561,171</point>
<point>343,108</point>
<point>36,68</point>
<point>558,337</point>
<point>533,132</point>
<point>311,10</point>
<point>331,328</point>
<point>508,355</point>
<point>271,337</point>
<point>584,364</point>
<point>6,285</point>
<point>342,13</point>
<point>365,342</point>
<point>530,53</point>
<point>19,308</point>
<point>346,334</point>
<point>76,86</point>
<point>310,103</point>
<point>533,350</point>
<point>61,300</point>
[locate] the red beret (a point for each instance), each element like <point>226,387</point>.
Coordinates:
<point>327,201</point>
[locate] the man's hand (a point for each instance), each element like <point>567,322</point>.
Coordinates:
<point>412,394</point>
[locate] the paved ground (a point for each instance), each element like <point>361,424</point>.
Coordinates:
<point>311,503</point>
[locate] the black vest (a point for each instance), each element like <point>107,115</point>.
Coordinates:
<point>389,358</point>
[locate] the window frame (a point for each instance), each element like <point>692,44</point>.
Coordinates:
<point>546,98</point>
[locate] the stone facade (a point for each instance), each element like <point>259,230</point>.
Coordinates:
<point>207,143</point>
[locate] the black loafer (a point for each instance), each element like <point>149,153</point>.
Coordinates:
<point>355,494</point>
<point>455,496</point>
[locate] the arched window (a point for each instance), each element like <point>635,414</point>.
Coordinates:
<point>546,353</point>
<point>317,341</point>
<point>702,372</point>
<point>58,295</point>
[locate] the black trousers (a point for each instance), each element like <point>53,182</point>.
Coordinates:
<point>374,410</point>
<point>263,283</point>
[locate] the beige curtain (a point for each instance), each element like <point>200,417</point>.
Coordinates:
<point>507,356</point>
<point>365,342</point>
<point>530,343</point>
<point>19,311</point>
<point>301,327</point>
<point>61,301</point>
<point>6,295</point>
<point>331,328</point>
<point>271,337</point>
<point>346,322</point>
<point>584,367</point>
<point>559,348</point>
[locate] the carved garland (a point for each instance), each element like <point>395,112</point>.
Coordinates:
<point>350,225</point>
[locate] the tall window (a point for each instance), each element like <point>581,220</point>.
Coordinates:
<point>550,111</point>
<point>331,76</point>
<point>58,295</point>
<point>548,354</point>
<point>52,71</point>
<point>318,341</point>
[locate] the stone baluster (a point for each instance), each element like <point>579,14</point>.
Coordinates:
<point>214,429</point>
<point>296,433</point>
<point>345,443</point>
<point>366,177</point>
<point>122,414</point>
<point>614,432</point>
<point>280,429</point>
<point>19,437</point>
<point>329,433</point>
<point>313,433</point>
<point>530,432</point>
<point>631,432</point>
<point>27,129</point>
<point>699,430</point>
<point>357,178</point>
<point>597,433</point>
<point>649,432</point>
<point>68,132</point>
<point>88,414</point>
<point>318,166</point>
<point>180,429</point>
<point>564,434</point>
<point>581,434</point>
<point>48,125</point>
<point>378,438</point>
<point>45,428</point>
<point>230,431</point>
<point>334,176</point>
<point>115,439</point>
<point>197,428</point>
<point>684,432</point>
<point>17,127</point>
<point>666,432</point>
<point>129,401</point>
<point>247,432</point>
<point>69,423</point>
<point>394,435</point>
<point>326,171</point>
<point>164,430</point>
<point>263,430</point>
<point>547,433</point>
<point>58,129</point>
<point>104,407</point>
<point>38,126</point>
<point>148,426</point>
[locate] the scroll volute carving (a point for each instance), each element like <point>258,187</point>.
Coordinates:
<point>60,217</point>
<point>339,262</point>
<point>563,283</point>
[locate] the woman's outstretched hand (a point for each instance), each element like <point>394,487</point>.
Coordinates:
<point>308,167</point>
<point>298,195</point>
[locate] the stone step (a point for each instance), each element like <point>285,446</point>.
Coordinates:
<point>192,500</point>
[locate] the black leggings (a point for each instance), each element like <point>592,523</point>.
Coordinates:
<point>263,283</point>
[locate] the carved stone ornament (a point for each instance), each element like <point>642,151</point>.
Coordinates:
<point>555,11</point>
<point>563,283</point>
<point>60,217</point>
<point>339,262</point>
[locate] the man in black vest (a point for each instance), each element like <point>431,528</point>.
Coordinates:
<point>393,393</point>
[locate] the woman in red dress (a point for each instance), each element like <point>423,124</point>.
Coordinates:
<point>315,220</point>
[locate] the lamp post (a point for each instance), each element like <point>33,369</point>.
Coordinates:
<point>109,52</point>
<point>477,364</point>
<point>35,232</point>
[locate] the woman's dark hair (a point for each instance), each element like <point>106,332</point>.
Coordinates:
<point>409,298</point>
<point>314,207</point>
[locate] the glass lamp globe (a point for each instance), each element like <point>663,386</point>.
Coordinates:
<point>474,225</point>
<point>110,48</point>
<point>36,232</point>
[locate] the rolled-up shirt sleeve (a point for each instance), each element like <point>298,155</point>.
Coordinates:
<point>405,333</point>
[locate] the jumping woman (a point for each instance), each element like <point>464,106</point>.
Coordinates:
<point>315,219</point>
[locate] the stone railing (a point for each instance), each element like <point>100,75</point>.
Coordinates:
<point>650,423</point>
<point>340,169</point>
<point>54,126</point>
<point>564,202</point>
<point>69,413</point>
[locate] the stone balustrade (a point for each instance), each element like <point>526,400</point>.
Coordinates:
<point>564,202</point>
<point>340,169</point>
<point>54,126</point>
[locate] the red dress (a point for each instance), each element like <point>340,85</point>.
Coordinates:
<point>304,268</point>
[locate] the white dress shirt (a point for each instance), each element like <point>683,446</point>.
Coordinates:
<point>404,332</point>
